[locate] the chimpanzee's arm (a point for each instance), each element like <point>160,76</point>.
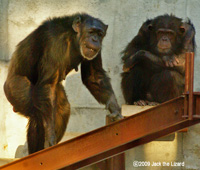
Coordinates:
<point>141,56</point>
<point>155,62</point>
<point>95,79</point>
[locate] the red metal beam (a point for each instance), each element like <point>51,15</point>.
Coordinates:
<point>114,163</point>
<point>190,57</point>
<point>109,140</point>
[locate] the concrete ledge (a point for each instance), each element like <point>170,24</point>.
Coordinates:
<point>4,161</point>
<point>128,110</point>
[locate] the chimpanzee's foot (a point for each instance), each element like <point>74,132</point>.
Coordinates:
<point>145,103</point>
<point>140,103</point>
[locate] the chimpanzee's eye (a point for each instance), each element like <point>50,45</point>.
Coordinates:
<point>150,27</point>
<point>182,29</point>
<point>159,35</point>
<point>100,34</point>
<point>91,32</point>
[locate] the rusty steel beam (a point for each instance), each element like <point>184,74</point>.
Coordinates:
<point>191,85</point>
<point>186,92</point>
<point>197,105</point>
<point>114,163</point>
<point>109,140</point>
<point>189,102</point>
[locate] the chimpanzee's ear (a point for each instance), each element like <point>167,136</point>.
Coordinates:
<point>76,24</point>
<point>106,27</point>
<point>146,27</point>
<point>188,31</point>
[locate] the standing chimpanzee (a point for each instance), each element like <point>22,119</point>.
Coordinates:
<point>154,61</point>
<point>39,64</point>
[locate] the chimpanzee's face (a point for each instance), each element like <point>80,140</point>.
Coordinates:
<point>165,40</point>
<point>166,34</point>
<point>91,34</point>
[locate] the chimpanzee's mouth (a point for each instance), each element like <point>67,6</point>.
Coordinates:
<point>90,49</point>
<point>164,50</point>
<point>88,53</point>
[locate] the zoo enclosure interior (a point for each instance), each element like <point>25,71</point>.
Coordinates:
<point>138,129</point>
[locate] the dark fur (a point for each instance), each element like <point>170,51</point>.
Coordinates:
<point>145,76</point>
<point>40,62</point>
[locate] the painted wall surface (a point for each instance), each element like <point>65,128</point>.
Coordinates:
<point>124,17</point>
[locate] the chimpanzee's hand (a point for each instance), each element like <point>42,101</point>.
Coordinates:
<point>115,116</point>
<point>171,61</point>
<point>128,64</point>
<point>113,107</point>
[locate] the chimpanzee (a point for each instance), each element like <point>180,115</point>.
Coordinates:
<point>39,64</point>
<point>154,61</point>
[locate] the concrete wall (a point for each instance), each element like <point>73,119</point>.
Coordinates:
<point>124,17</point>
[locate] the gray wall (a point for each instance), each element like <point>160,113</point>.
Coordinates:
<point>124,17</point>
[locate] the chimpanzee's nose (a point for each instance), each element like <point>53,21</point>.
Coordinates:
<point>164,38</point>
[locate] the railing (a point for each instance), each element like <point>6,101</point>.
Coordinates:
<point>113,139</point>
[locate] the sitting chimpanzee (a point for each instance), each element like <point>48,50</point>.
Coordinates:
<point>39,64</point>
<point>154,61</point>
